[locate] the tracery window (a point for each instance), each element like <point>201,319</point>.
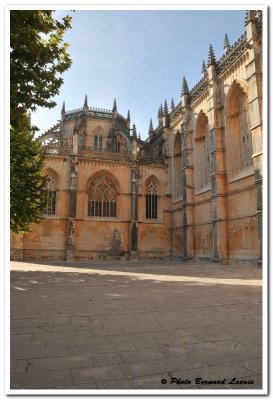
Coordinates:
<point>201,151</point>
<point>102,197</point>
<point>151,199</point>
<point>238,135</point>
<point>177,166</point>
<point>98,142</point>
<point>51,189</point>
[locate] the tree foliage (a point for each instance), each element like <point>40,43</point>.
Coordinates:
<point>38,57</point>
<point>37,60</point>
<point>27,184</point>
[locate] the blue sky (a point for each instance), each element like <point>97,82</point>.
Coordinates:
<point>139,57</point>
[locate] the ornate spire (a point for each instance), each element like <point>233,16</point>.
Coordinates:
<point>128,116</point>
<point>226,43</point>
<point>151,128</point>
<point>185,88</point>
<point>211,57</point>
<point>204,69</point>
<point>160,112</point>
<point>134,131</point>
<point>63,112</point>
<point>166,111</point>
<point>139,137</point>
<point>85,105</point>
<point>115,105</point>
<point>172,104</point>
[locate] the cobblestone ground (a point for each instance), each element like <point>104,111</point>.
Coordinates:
<point>130,325</point>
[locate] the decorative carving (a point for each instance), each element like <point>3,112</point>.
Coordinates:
<point>51,183</point>
<point>233,55</point>
<point>51,189</point>
<point>259,22</point>
<point>151,188</point>
<point>151,199</point>
<point>102,197</point>
<point>199,88</point>
<point>71,230</point>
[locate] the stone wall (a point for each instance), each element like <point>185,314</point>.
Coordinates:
<point>209,191</point>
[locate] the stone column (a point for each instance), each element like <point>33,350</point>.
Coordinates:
<point>187,177</point>
<point>134,246</point>
<point>134,200</point>
<point>71,223</point>
<point>217,164</point>
<point>187,191</point>
<point>254,81</point>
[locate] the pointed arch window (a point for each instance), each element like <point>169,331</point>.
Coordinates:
<point>98,141</point>
<point>102,197</point>
<point>151,199</point>
<point>202,156</point>
<point>238,134</point>
<point>51,190</point>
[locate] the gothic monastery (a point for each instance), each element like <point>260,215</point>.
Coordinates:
<point>191,190</point>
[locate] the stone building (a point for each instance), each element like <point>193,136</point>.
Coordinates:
<point>191,190</point>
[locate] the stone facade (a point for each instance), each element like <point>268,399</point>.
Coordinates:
<point>192,189</point>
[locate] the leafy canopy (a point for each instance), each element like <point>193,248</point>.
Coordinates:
<point>38,57</point>
<point>27,184</point>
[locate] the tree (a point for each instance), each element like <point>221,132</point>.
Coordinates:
<point>27,184</point>
<point>38,58</point>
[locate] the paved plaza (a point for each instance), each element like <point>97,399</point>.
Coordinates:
<point>135,325</point>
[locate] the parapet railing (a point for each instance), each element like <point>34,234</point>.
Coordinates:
<point>92,109</point>
<point>58,148</point>
<point>232,55</point>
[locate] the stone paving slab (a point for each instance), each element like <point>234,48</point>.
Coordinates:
<point>84,375</point>
<point>128,325</point>
<point>36,350</point>
<point>59,363</point>
<point>41,380</point>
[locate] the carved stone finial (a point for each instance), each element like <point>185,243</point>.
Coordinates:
<point>226,44</point>
<point>128,116</point>
<point>211,57</point>
<point>160,112</point>
<point>134,131</point>
<point>63,108</point>
<point>204,69</point>
<point>185,88</point>
<point>172,104</point>
<point>151,128</point>
<point>115,105</point>
<point>85,101</point>
<point>166,111</point>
